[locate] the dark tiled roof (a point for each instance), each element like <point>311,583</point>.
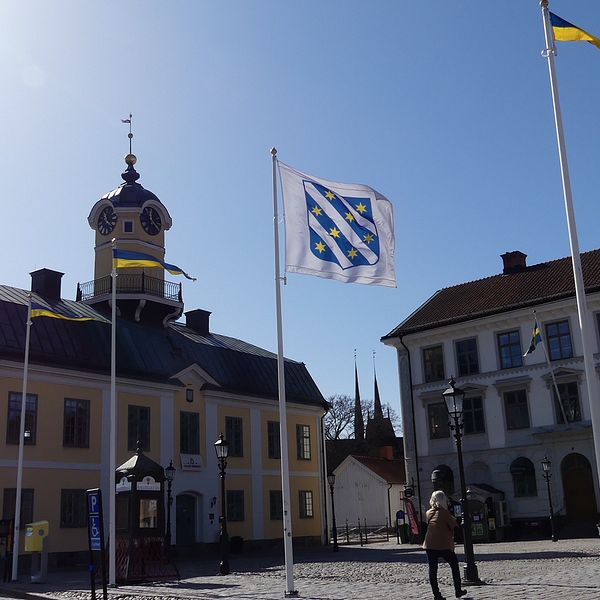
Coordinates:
<point>537,284</point>
<point>392,470</point>
<point>150,353</point>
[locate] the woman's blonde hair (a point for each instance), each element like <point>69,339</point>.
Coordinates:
<point>438,498</point>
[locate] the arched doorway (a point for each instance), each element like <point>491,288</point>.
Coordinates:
<point>186,509</point>
<point>578,486</point>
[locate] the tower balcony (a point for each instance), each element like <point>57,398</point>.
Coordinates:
<point>136,293</point>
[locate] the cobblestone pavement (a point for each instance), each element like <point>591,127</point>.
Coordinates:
<point>379,571</point>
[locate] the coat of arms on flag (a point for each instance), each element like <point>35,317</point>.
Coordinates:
<point>337,230</point>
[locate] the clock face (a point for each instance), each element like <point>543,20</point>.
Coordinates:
<point>107,220</point>
<point>150,220</point>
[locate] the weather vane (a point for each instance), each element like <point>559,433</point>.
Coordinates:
<point>130,135</point>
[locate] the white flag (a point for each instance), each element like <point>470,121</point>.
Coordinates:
<point>342,231</point>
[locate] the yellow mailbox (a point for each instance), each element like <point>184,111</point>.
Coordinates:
<point>34,536</point>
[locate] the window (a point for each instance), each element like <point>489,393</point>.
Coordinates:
<point>273,439</point>
<point>306,504</point>
<point>9,503</point>
<point>523,474</point>
<point>189,432</point>
<point>234,435</point>
<point>473,419</point>
<point>13,425</point>
<point>467,361</point>
<point>73,509</point>
<point>516,410</point>
<point>148,513</point>
<point>509,349</point>
<point>433,363</point>
<point>276,505</point>
<point>438,421</point>
<point>558,340</point>
<point>76,429</point>
<point>127,226</point>
<point>138,427</point>
<point>189,395</point>
<point>235,505</point>
<point>303,442</point>
<point>569,397</point>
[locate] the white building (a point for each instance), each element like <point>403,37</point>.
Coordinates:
<point>478,332</point>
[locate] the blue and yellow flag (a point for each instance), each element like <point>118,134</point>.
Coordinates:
<point>124,258</point>
<point>536,338</point>
<point>37,310</point>
<point>567,32</point>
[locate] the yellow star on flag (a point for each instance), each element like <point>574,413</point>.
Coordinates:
<point>369,238</point>
<point>361,208</point>
<point>317,210</point>
<point>329,195</point>
<point>320,246</point>
<point>334,232</point>
<point>352,253</point>
<point>349,217</point>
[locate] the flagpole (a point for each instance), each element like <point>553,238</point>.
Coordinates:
<point>582,310</point>
<point>283,436</point>
<point>112,554</point>
<point>17,521</point>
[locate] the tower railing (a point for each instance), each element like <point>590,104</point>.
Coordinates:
<point>130,283</point>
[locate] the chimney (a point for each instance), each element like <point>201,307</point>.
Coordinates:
<point>514,262</point>
<point>198,320</point>
<point>386,452</point>
<point>46,283</point>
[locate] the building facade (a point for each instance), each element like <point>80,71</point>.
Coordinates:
<point>179,385</point>
<point>518,409</point>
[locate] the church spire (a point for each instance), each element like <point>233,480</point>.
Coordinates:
<point>377,409</point>
<point>359,424</point>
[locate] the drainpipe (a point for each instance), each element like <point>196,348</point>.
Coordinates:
<point>414,428</point>
<point>389,506</point>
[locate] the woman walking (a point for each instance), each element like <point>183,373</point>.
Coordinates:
<point>439,543</point>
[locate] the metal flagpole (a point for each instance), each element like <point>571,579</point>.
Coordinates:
<point>17,521</point>
<point>582,310</point>
<point>283,437</point>
<point>112,550</point>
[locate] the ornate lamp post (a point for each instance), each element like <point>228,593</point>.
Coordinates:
<point>453,398</point>
<point>222,450</point>
<point>169,474</point>
<point>546,466</point>
<point>331,482</point>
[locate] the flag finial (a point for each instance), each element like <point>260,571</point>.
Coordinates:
<point>130,134</point>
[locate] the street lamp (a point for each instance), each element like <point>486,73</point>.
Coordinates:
<point>169,474</point>
<point>331,482</point>
<point>222,450</point>
<point>546,466</point>
<point>453,398</point>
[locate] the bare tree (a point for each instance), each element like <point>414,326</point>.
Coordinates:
<point>339,421</point>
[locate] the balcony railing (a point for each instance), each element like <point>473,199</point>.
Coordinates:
<point>138,283</point>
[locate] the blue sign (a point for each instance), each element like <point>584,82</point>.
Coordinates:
<point>95,533</point>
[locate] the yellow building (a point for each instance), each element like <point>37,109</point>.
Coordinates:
<point>179,386</point>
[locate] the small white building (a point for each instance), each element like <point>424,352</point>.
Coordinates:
<point>478,332</point>
<point>368,489</point>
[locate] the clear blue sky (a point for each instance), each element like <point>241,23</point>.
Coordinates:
<point>444,107</point>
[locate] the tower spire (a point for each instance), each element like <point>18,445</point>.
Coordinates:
<point>129,135</point>
<point>377,409</point>
<point>359,423</point>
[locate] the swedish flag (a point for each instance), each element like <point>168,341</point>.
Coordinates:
<point>536,338</point>
<point>125,258</point>
<point>37,310</point>
<point>567,32</point>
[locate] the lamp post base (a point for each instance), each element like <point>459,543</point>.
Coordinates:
<point>470,575</point>
<point>224,567</point>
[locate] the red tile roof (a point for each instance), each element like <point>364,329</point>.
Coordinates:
<point>392,470</point>
<point>531,286</point>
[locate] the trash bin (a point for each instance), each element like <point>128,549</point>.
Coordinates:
<point>35,534</point>
<point>236,544</point>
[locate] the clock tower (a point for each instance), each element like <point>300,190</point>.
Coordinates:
<point>136,220</point>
